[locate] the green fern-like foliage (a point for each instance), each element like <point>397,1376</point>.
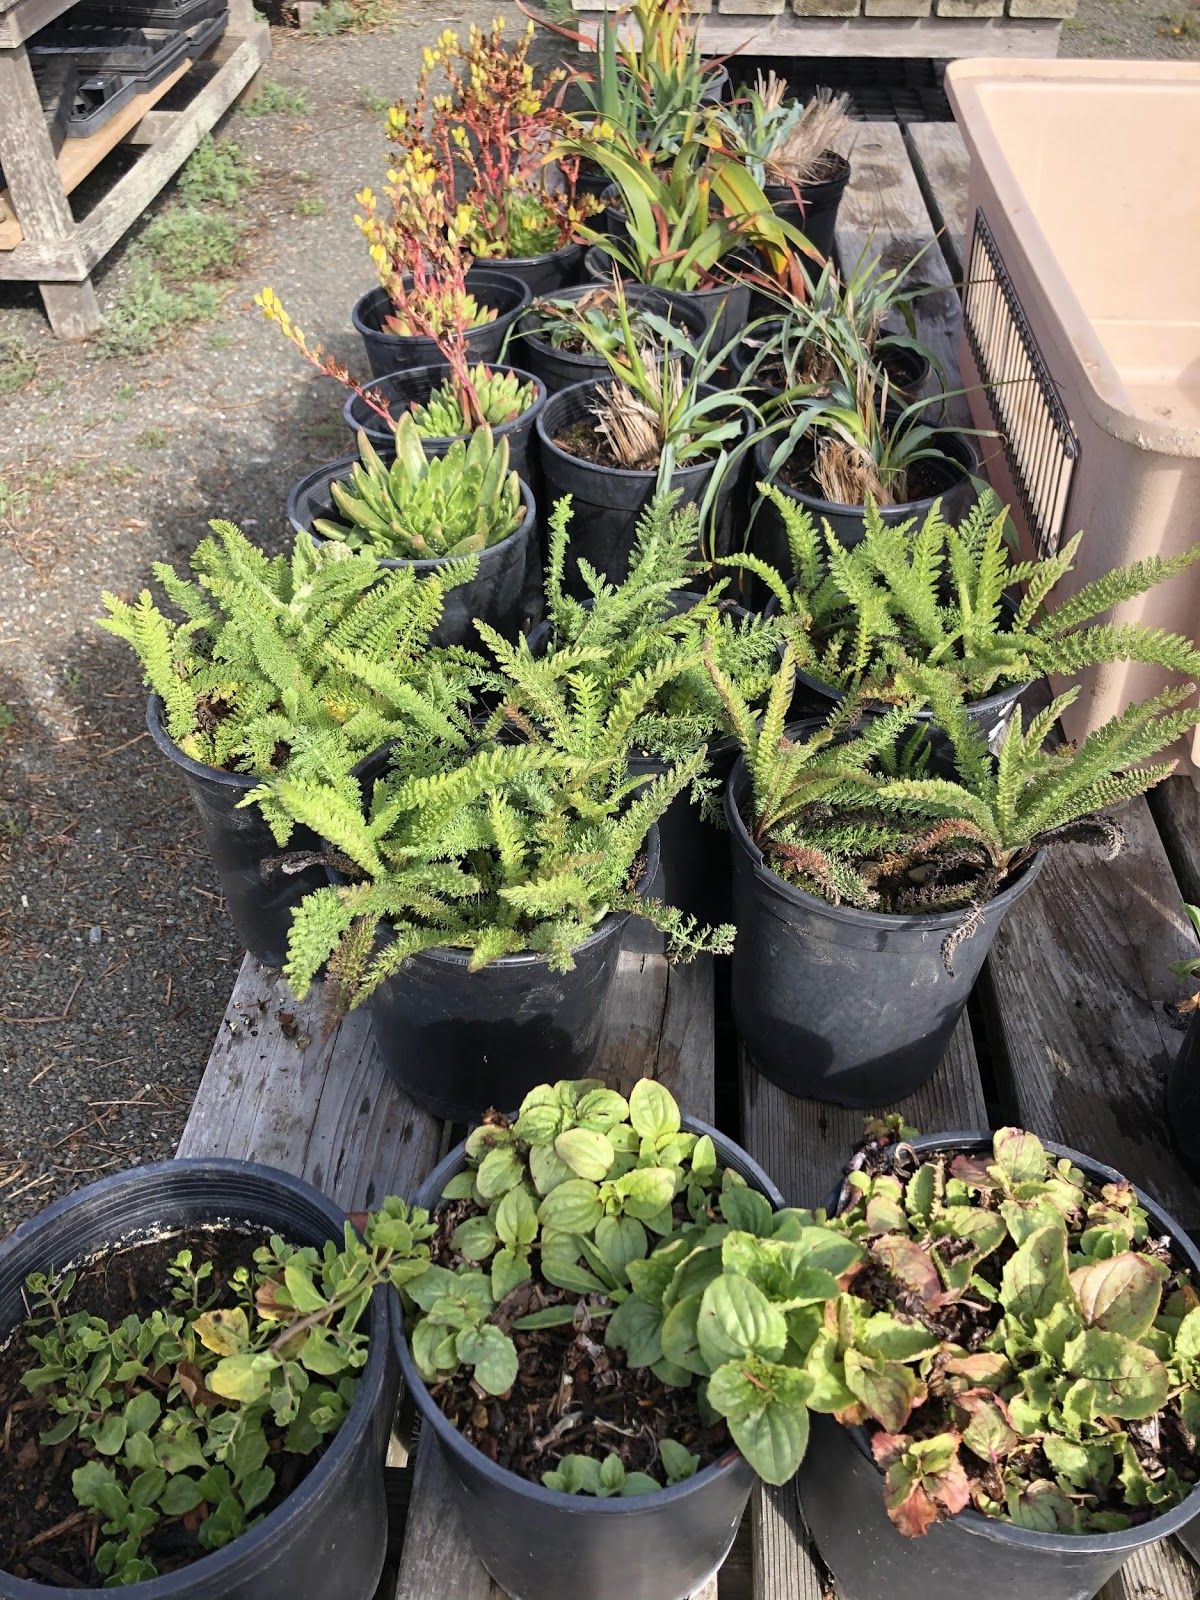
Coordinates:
<point>866,812</point>
<point>653,615</point>
<point>523,844</point>
<point>300,663</point>
<point>954,598</point>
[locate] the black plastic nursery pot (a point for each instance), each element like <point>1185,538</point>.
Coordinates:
<point>494,594</point>
<point>328,1539</point>
<point>906,369</point>
<point>726,304</point>
<point>260,899</point>
<point>841,1492</point>
<point>834,1003</point>
<point>559,369</point>
<point>392,352</point>
<point>539,1544</point>
<point>813,207</point>
<point>954,488</point>
<point>607,501</point>
<point>400,391</point>
<point>1183,1103</point>
<point>458,1041</point>
<point>541,274</point>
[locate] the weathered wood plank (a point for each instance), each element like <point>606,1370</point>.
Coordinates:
<point>1175,807</point>
<point>1161,1572</point>
<point>804,1144</point>
<point>883,211</point>
<point>1079,973</point>
<point>27,156</point>
<point>940,163</point>
<point>277,1090</point>
<point>786,35</point>
<point>785,1564</point>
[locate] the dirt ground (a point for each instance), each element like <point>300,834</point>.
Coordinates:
<point>116,958</point>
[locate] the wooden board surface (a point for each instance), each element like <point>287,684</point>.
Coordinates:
<point>79,157</point>
<point>1079,974</point>
<point>940,163</point>
<point>882,211</point>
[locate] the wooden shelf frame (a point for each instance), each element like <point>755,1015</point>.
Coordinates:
<point>46,245</point>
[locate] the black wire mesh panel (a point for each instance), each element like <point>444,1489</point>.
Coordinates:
<point>1039,442</point>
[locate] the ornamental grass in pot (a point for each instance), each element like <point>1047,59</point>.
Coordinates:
<point>956,598</point>
<point>1015,1368</point>
<point>658,423</point>
<point>485,879</point>
<point>428,512</point>
<point>554,345</point>
<point>269,664</point>
<point>606,1344</point>
<point>621,630</point>
<point>870,879</point>
<point>199,1387</point>
<point>794,151</point>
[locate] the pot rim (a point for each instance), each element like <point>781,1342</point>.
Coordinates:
<point>244,781</point>
<point>823,508</point>
<point>576,291</point>
<point>777,192</point>
<point>485,263</point>
<point>500,430</point>
<point>1127,1539</point>
<point>725,288</point>
<point>274,1527</point>
<point>855,916</point>
<point>628,474</point>
<point>484,278</point>
<point>340,469</point>
<point>503,1477</point>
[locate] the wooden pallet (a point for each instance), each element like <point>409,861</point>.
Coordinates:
<point>1070,1033</point>
<point>41,241</point>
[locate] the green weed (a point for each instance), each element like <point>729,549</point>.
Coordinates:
<point>14,502</point>
<point>186,242</point>
<point>148,309</point>
<point>154,438</point>
<point>311,205</point>
<point>17,366</point>
<point>274,97</point>
<point>8,717</point>
<point>217,173</point>
<point>350,16</point>
<point>376,104</point>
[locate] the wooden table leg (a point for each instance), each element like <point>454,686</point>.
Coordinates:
<point>35,187</point>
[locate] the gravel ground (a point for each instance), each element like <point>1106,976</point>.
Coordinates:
<point>116,955</point>
<point>1136,29</point>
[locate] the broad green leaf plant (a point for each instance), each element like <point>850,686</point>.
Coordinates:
<point>1028,1346</point>
<point>300,662</point>
<point>957,598</point>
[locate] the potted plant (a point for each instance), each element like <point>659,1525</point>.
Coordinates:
<point>658,423</point>
<point>1183,1081</point>
<point>425,512</point>
<point>199,1388</point>
<point>483,895</point>
<point>486,134</point>
<point>690,228</point>
<point>862,869</point>
<point>638,1254</point>
<point>621,630</point>
<point>556,346</point>
<point>793,150</point>
<point>1015,1366</point>
<point>431,301</point>
<point>447,400</point>
<point>274,666</point>
<point>950,597</point>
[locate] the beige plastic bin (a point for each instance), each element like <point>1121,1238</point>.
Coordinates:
<point>1083,299</point>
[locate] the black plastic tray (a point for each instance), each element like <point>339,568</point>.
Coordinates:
<point>179,17</point>
<point>99,96</point>
<point>145,55</point>
<point>205,34</point>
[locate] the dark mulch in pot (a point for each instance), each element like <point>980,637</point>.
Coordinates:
<point>35,1479</point>
<point>926,479</point>
<point>572,1396</point>
<point>583,441</point>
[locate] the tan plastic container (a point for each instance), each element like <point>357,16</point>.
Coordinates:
<point>1083,298</point>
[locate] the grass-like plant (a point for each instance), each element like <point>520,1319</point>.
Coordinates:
<point>418,508</point>
<point>787,141</point>
<point>253,672</point>
<point>953,597</point>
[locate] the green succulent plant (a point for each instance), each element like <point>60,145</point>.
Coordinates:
<point>501,395</point>
<point>420,508</point>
